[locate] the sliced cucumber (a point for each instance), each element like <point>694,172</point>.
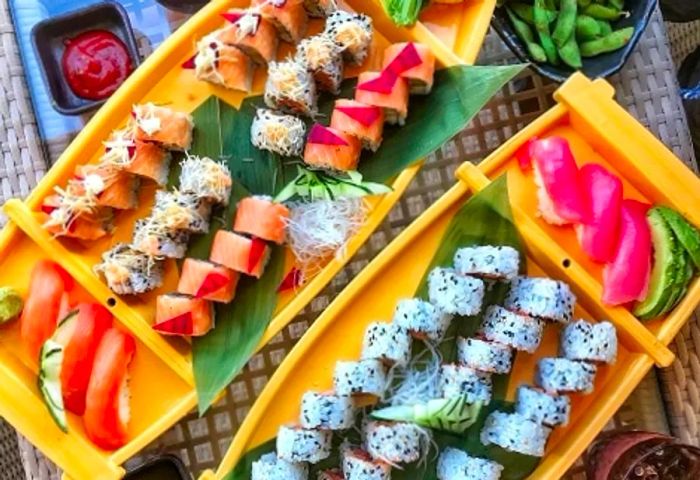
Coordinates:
<point>682,287</point>
<point>687,234</point>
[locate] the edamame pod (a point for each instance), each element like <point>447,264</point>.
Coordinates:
<point>602,12</point>
<point>527,36</point>
<point>605,27</point>
<point>524,11</point>
<point>570,54</point>
<point>618,4</point>
<point>587,28</point>
<point>609,43</point>
<point>542,27</point>
<point>583,3</point>
<point>566,22</point>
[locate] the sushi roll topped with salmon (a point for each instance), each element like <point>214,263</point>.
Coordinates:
<point>164,126</point>
<point>320,8</point>
<point>288,17</point>
<point>71,214</point>
<point>260,217</point>
<point>113,187</point>
<point>291,88</point>
<point>353,32</point>
<point>366,122</point>
<point>183,315</point>
<point>413,61</point>
<point>323,58</point>
<point>332,149</point>
<point>278,133</point>
<point>250,32</point>
<point>206,178</point>
<point>146,160</point>
<point>383,89</point>
<point>222,64</point>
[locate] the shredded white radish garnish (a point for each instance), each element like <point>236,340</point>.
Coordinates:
<point>416,383</point>
<point>146,118</point>
<point>119,148</point>
<point>288,80</point>
<point>205,177</point>
<point>248,24</point>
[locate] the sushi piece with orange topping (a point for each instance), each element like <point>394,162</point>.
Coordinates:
<point>384,89</point>
<point>366,122</point>
<point>320,8</point>
<point>290,87</point>
<point>414,62</point>
<point>146,160</point>
<point>323,58</point>
<point>222,64</point>
<point>353,32</point>
<point>260,217</point>
<point>164,126</point>
<point>114,187</point>
<point>333,149</point>
<point>288,17</point>
<point>207,280</point>
<point>67,216</point>
<point>251,33</point>
<point>183,315</point>
<point>241,254</point>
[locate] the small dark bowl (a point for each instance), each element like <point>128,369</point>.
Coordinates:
<point>185,6</point>
<point>48,37</point>
<point>601,66</point>
<point>163,467</point>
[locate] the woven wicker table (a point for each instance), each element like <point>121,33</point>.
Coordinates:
<point>667,400</point>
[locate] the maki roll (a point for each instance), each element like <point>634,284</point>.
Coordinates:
<point>252,34</point>
<point>362,377</point>
<point>387,342</point>
<point>320,8</point>
<point>207,280</point>
<point>484,356</point>
<point>222,64</point>
<point>290,87</point>
<point>260,217</point>
<point>296,444</point>
<point>494,263</point>
<point>206,178</point>
<point>111,186</point>
<point>129,272</point>
<point>385,90</point>
<point>454,464</point>
<point>541,297</point>
<point>332,474</point>
<point>353,32</point>
<point>270,467</point>
<point>154,238</point>
<point>591,342</point>
<point>394,442</point>
<point>326,411</point>
<point>422,319</point>
<point>414,62</point>
<point>359,465</point>
<point>542,407</point>
<point>515,433</point>
<point>455,294</point>
<point>462,381</point>
<point>278,133</point>
<point>517,331</point>
<point>164,126</point>
<point>63,221</point>
<point>146,160</point>
<point>331,149</point>
<point>560,375</point>
<point>323,58</point>
<point>240,254</point>
<point>181,211</point>
<point>365,122</point>
<point>287,16</point>
<point>184,315</point>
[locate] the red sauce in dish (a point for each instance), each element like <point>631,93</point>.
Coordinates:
<point>95,64</point>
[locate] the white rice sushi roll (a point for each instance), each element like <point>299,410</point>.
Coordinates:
<point>363,377</point>
<point>270,467</point>
<point>290,87</point>
<point>560,375</point>
<point>278,133</point>
<point>154,238</point>
<point>454,464</point>
<point>515,433</point>
<point>130,272</point>
<point>541,297</point>
<point>459,380</point>
<point>542,407</point>
<point>394,442</point>
<point>353,32</point>
<point>494,263</point>
<point>326,411</point>
<point>324,59</point>
<point>591,342</point>
<point>484,356</point>
<point>206,178</point>
<point>518,331</point>
<point>332,474</point>
<point>359,465</point>
<point>182,211</point>
<point>422,319</point>
<point>455,294</point>
<point>296,444</point>
<point>387,342</point>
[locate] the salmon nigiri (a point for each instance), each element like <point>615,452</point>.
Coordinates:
<point>239,253</point>
<point>254,35</point>
<point>366,122</point>
<point>413,61</point>
<point>260,217</point>
<point>184,315</point>
<point>207,280</point>
<point>329,148</point>
<point>386,90</point>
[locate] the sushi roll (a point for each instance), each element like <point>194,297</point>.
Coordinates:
<point>384,90</point>
<point>112,186</point>
<point>559,375</point>
<point>394,442</point>
<point>542,407</point>
<point>365,122</point>
<point>260,217</point>
<point>493,263</point>
<point>287,16</point>
<point>323,58</point>
<point>222,64</point>
<point>270,467</point>
<point>422,319</point>
<point>591,342</point>
<point>459,380</point>
<point>207,280</point>
<point>331,149</point>
<point>252,34</point>
<point>153,238</point>
<point>278,133</point>
<point>296,444</point>
<point>541,297</point>
<point>320,8</point>
<point>515,433</point>
<point>129,272</point>
<point>146,160</point>
<point>72,212</point>
<point>517,331</point>
<point>353,32</point>
<point>183,315</point>
<point>164,126</point>
<point>332,474</point>
<point>181,211</point>
<point>366,376</point>
<point>484,356</point>
<point>455,294</point>
<point>359,465</point>
<point>290,87</point>
<point>240,254</point>
<point>387,342</point>
<point>206,178</point>
<point>414,62</point>
<point>454,464</point>
<point>326,411</point>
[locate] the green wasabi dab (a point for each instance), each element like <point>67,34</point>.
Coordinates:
<point>11,304</point>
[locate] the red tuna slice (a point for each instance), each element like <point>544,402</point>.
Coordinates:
<point>407,59</point>
<point>626,277</point>
<point>180,325</point>
<point>292,280</point>
<point>524,154</point>
<point>561,198</point>
<point>384,83</point>
<point>598,237</point>
<point>188,64</point>
<point>323,136</point>
<point>232,17</point>
<point>367,115</point>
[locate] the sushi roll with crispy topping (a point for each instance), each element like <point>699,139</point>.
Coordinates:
<point>515,433</point>
<point>290,88</point>
<point>252,34</point>
<point>288,17</point>
<point>422,319</point>
<point>360,377</point>
<point>331,149</point>
<point>260,217</point>
<point>494,263</point>
<point>541,297</point>
<point>517,331</point>
<point>591,342</point>
<point>270,467</point>
<point>542,407</point>
<point>560,375</point>
<point>394,442</point>
<point>323,58</point>
<point>387,342</point>
<point>385,90</point>
<point>182,211</point>
<point>112,186</point>
<point>485,356</point>
<point>73,212</point>
<point>359,465</point>
<point>207,280</point>
<point>454,464</point>
<point>320,8</point>
<point>130,272</point>
<point>297,444</point>
<point>153,237</point>
<point>222,64</point>
<point>326,411</point>
<point>183,315</point>
<point>206,178</point>
<point>414,62</point>
<point>164,126</point>
<point>353,32</point>
<point>459,380</point>
<point>365,122</point>
<point>144,159</point>
<point>278,133</point>
<point>455,294</point>
<point>241,254</point>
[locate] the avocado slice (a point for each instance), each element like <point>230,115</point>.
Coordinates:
<point>687,234</point>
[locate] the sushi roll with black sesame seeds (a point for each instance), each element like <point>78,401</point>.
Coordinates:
<point>324,59</point>
<point>591,342</point>
<point>206,178</point>
<point>422,319</point>
<point>517,331</point>
<point>320,8</point>
<point>455,294</point>
<point>362,377</point>
<point>182,211</point>
<point>332,474</point>
<point>454,464</point>
<point>153,237</point>
<point>128,271</point>
<point>353,32</point>
<point>290,88</point>
<point>359,465</point>
<point>394,442</point>
<point>388,342</point>
<point>485,356</point>
<point>278,133</point>
<point>542,407</point>
<point>494,263</point>
<point>515,433</point>
<point>326,411</point>
<point>271,467</point>
<point>560,375</point>
<point>296,444</point>
<point>460,380</point>
<point>541,297</point>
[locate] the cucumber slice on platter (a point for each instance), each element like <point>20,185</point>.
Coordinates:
<point>687,234</point>
<point>681,288</point>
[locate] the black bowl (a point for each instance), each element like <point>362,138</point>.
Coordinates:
<point>601,66</point>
